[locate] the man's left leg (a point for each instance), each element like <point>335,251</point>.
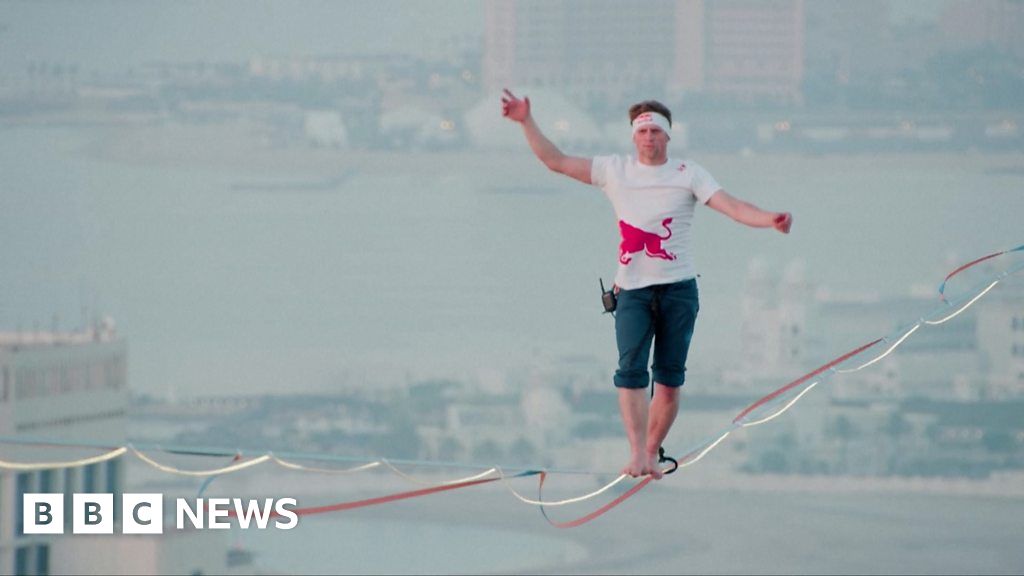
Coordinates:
<point>678,305</point>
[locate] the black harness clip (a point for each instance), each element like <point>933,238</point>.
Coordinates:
<point>663,458</point>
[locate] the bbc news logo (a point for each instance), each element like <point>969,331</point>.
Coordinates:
<point>144,513</point>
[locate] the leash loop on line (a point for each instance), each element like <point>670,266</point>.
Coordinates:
<point>662,458</point>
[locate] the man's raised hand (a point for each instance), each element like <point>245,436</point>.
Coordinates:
<point>514,108</point>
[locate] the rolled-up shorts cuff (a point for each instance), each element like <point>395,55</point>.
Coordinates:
<point>663,315</point>
<point>631,380</point>
<point>671,379</point>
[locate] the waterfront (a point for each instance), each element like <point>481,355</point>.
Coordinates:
<point>697,521</point>
<point>245,277</point>
<point>391,274</point>
<point>305,230</point>
<point>667,529</point>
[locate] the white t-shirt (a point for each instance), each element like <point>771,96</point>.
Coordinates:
<point>654,206</point>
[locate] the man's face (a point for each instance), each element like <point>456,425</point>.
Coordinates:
<point>651,143</point>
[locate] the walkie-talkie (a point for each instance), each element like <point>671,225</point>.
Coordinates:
<point>608,299</point>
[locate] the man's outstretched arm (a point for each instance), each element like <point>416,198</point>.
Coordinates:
<point>518,110</point>
<point>746,213</point>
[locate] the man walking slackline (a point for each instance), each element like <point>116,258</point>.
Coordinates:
<point>654,197</point>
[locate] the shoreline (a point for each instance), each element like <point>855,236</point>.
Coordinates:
<point>246,146</point>
<point>723,522</point>
<point>325,486</point>
<point>1004,485</point>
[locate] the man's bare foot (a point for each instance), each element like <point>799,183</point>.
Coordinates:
<point>653,467</point>
<point>642,466</point>
<point>637,467</point>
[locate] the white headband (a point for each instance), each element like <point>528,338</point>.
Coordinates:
<point>651,119</point>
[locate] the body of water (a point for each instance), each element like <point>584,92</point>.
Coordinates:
<point>245,280</point>
<point>238,280</point>
<point>661,530</point>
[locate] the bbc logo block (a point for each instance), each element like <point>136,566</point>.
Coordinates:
<point>43,514</point>
<point>93,514</point>
<point>144,513</point>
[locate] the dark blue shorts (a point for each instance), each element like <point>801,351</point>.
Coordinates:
<point>663,314</point>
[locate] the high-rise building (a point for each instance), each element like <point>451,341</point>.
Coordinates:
<point>773,332</point>
<point>71,388</point>
<point>846,44</point>
<point>587,49</point>
<point>58,386</point>
<point>976,355</point>
<point>789,327</point>
<point>998,24</point>
<point>1000,337</point>
<point>609,52</point>
<point>755,49</point>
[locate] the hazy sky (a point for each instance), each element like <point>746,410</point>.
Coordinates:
<point>103,35</point>
<point>922,10</point>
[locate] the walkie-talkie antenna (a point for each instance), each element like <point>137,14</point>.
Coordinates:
<point>608,299</point>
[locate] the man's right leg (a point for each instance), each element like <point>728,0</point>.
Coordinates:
<point>633,335</point>
<point>633,405</point>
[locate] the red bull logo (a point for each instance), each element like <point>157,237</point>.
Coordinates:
<point>635,240</point>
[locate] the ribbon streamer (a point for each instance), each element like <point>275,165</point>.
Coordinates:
<point>743,420</point>
<point>200,473</point>
<point>25,467</point>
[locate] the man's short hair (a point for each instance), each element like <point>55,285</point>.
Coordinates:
<point>649,106</point>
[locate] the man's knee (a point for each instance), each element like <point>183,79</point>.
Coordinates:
<point>669,377</point>
<point>666,392</point>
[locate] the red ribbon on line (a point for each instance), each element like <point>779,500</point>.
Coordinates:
<point>390,498</point>
<point>942,287</point>
<point>639,485</point>
<point>803,379</point>
<point>309,511</point>
<point>584,519</point>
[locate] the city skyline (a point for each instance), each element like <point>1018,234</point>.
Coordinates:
<point>302,229</point>
<point>24,29</point>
